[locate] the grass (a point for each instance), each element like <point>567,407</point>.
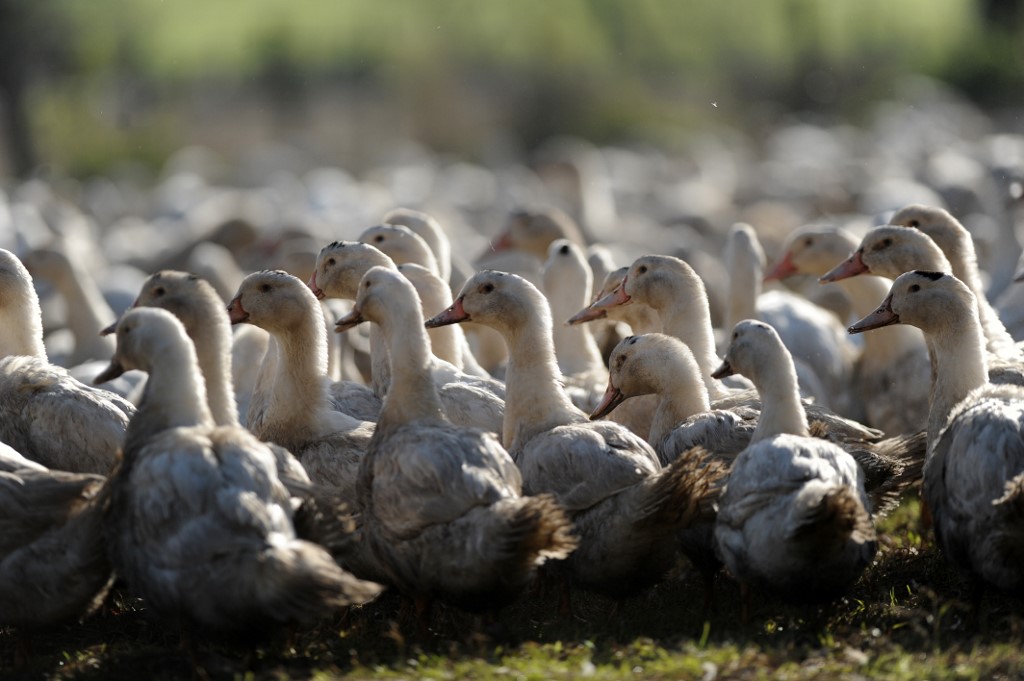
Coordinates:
<point>909,617</point>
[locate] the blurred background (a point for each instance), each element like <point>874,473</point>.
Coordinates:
<point>104,86</point>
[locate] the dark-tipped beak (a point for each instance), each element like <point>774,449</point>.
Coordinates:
<point>723,371</point>
<point>236,312</point>
<point>110,373</point>
<point>883,316</point>
<point>351,320</point>
<point>452,315</point>
<point>783,268</point>
<point>106,331</point>
<point>587,314</point>
<point>613,397</point>
<point>850,267</point>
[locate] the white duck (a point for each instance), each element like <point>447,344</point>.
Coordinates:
<point>198,306</point>
<point>821,350</point>
<point>794,517</point>
<point>291,406</point>
<point>46,414</point>
<point>958,246</point>
<point>472,401</point>
<point>442,508</point>
<point>625,506</point>
<point>429,229</point>
<point>674,290</point>
<point>890,251</point>
<point>199,523</point>
<point>893,372</point>
<point>974,475</point>
<point>567,283</point>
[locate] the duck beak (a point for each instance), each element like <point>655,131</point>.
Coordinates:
<point>320,295</point>
<point>723,371</point>
<point>783,268</point>
<point>613,299</point>
<point>106,331</point>
<point>454,314</point>
<point>883,316</point>
<point>112,371</point>
<point>587,314</point>
<point>1019,276</point>
<point>613,397</point>
<point>351,320</point>
<point>503,242</point>
<point>850,267</point>
<point>236,312</point>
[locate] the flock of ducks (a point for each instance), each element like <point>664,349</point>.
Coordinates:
<point>554,418</point>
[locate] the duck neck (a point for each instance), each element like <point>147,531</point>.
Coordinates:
<point>575,347</point>
<point>681,395</point>
<point>380,363</point>
<point>175,393</point>
<point>964,262</point>
<point>641,318</point>
<point>299,392</point>
<point>782,412</point>
<point>688,318</point>
<point>213,349</point>
<point>744,290</point>
<point>534,399</point>
<point>88,312</point>
<point>445,343</point>
<point>960,366</point>
<point>24,334</point>
<point>412,395</point>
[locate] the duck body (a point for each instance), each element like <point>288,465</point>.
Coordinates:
<point>53,558</point>
<point>199,523</point>
<point>791,519</point>
<point>442,506</point>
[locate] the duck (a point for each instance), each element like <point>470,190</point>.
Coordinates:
<point>53,558</point>
<point>467,400</point>
<point>86,307</point>
<point>291,405</point>
<point>442,505</point>
<point>892,373</point>
<point>531,229</point>
<point>821,349</point>
<point>974,474</point>
<point>891,250</point>
<point>46,414</point>
<point>567,282</point>
<point>671,287</point>
<point>430,230</point>
<point>663,367</point>
<point>199,307</point>
<point>794,518</point>
<point>626,507</point>
<point>198,522</point>
<point>958,246</point>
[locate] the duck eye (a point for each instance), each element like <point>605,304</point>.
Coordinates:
<point>159,291</point>
<point>914,223</point>
<point>914,288</point>
<point>330,261</point>
<point>486,288</point>
<point>735,335</point>
<point>642,269</point>
<point>367,284</point>
<point>377,239</point>
<point>265,288</point>
<point>564,250</point>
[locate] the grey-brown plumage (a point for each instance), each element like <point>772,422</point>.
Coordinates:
<point>442,509</point>
<point>199,523</point>
<point>45,414</point>
<point>53,559</point>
